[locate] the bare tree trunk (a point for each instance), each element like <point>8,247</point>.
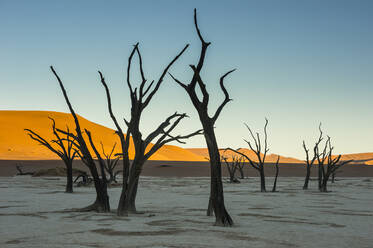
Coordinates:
<point>222,217</point>
<point>128,203</point>
<point>307,178</point>
<point>210,210</point>
<point>69,178</point>
<point>121,211</point>
<point>242,175</point>
<point>132,196</point>
<point>262,180</point>
<point>320,176</point>
<point>324,185</point>
<point>277,170</point>
<point>102,200</point>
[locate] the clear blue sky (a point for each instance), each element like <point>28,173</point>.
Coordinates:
<point>298,63</point>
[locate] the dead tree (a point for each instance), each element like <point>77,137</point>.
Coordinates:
<point>22,173</point>
<point>232,167</point>
<point>330,165</point>
<point>261,157</point>
<point>110,163</point>
<point>86,180</point>
<point>334,175</point>
<point>240,166</point>
<point>101,203</point>
<point>63,148</point>
<point>208,122</point>
<point>310,162</point>
<point>277,170</point>
<point>144,149</point>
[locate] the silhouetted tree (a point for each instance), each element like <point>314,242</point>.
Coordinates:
<point>143,148</point>
<point>208,122</point>
<point>232,166</point>
<point>110,163</point>
<point>22,173</point>
<point>276,175</point>
<point>101,203</point>
<point>261,155</point>
<point>310,162</point>
<point>63,148</point>
<point>241,166</point>
<point>329,164</point>
<point>86,179</point>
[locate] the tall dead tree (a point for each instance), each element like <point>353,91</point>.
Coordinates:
<point>208,122</point>
<point>110,163</point>
<point>260,153</point>
<point>101,203</point>
<point>63,148</point>
<point>310,162</point>
<point>144,149</point>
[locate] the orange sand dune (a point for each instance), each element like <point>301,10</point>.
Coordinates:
<point>271,158</point>
<point>362,158</point>
<point>359,158</point>
<point>15,144</point>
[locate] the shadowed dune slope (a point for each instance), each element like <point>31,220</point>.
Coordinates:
<point>15,144</point>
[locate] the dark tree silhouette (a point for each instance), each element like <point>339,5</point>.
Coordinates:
<point>216,195</point>
<point>110,163</point>
<point>101,203</point>
<point>241,165</point>
<point>232,166</point>
<point>86,180</point>
<point>22,173</point>
<point>329,164</point>
<point>310,162</point>
<point>277,170</point>
<point>260,154</point>
<point>144,148</point>
<point>63,148</point>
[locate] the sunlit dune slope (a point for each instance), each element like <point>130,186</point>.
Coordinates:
<point>361,158</point>
<point>271,158</point>
<point>16,144</point>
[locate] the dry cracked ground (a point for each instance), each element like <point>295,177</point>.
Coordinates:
<point>34,212</point>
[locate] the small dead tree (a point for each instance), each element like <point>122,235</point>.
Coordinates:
<point>232,166</point>
<point>101,203</point>
<point>110,163</point>
<point>240,166</point>
<point>144,149</point>
<point>330,164</point>
<point>86,180</point>
<point>63,148</point>
<point>216,200</point>
<point>22,173</point>
<point>260,153</point>
<point>310,162</point>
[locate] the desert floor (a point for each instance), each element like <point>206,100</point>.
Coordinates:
<point>32,214</point>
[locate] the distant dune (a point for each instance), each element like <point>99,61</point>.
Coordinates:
<point>271,158</point>
<point>359,158</point>
<point>15,144</point>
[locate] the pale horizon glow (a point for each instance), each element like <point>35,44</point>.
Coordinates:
<point>298,63</point>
